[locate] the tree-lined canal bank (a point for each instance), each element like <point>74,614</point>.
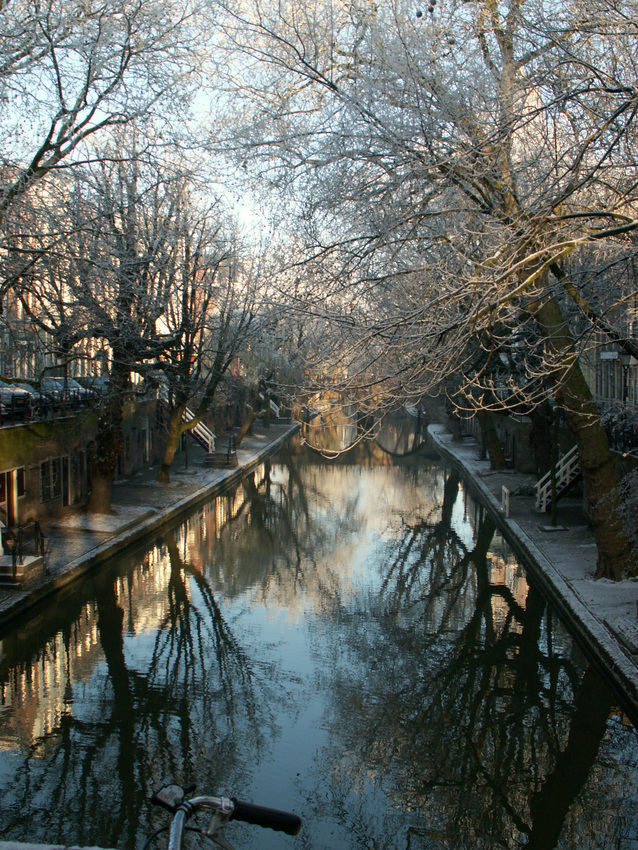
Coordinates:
<point>602,615</point>
<point>81,542</point>
<point>353,642</point>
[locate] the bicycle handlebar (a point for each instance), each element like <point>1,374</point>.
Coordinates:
<point>262,816</point>
<point>222,809</point>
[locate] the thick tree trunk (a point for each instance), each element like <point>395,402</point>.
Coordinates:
<point>177,426</point>
<point>266,416</point>
<point>175,430</point>
<point>541,439</point>
<point>491,440</point>
<point>108,445</point>
<point>251,415</point>
<point>101,491</point>
<point>597,462</point>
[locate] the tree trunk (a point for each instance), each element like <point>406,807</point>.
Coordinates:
<point>251,415</point>
<point>266,416</point>
<point>108,445</point>
<point>175,430</point>
<point>177,426</point>
<point>491,440</point>
<point>597,462</point>
<point>101,491</point>
<point>541,439</point>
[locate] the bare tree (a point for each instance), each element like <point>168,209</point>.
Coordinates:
<point>210,313</point>
<point>70,70</point>
<point>451,164</point>
<point>110,281</point>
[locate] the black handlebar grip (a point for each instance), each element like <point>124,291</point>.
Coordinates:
<point>261,816</point>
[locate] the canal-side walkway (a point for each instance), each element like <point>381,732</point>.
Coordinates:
<point>141,505</point>
<point>603,615</point>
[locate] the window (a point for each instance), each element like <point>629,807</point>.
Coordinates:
<point>50,479</point>
<point>45,481</point>
<point>56,478</point>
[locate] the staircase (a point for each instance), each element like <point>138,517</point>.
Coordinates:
<point>21,555</point>
<point>567,471</point>
<point>223,459</point>
<point>201,433</point>
<point>275,409</point>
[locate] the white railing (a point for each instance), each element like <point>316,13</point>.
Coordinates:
<point>567,469</point>
<point>203,432</point>
<point>274,408</point>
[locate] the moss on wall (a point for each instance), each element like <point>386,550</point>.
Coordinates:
<point>21,445</point>
<point>32,442</point>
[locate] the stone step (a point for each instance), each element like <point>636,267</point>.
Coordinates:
<point>32,566</point>
<point>221,460</point>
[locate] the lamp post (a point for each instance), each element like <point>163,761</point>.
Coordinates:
<point>554,460</point>
<point>625,362</point>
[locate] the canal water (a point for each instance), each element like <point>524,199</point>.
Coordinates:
<point>352,641</point>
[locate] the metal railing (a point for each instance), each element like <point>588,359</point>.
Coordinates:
<point>18,540</point>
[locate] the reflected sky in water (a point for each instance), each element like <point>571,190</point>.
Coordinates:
<point>349,640</point>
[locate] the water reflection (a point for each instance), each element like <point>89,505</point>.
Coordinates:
<point>332,426</point>
<point>468,698</point>
<point>354,643</point>
<point>330,423</point>
<point>403,431</point>
<point>139,687</point>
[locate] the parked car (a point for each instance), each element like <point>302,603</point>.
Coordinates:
<point>75,388</point>
<point>36,395</point>
<point>37,402</point>
<point>16,402</point>
<point>64,389</point>
<point>97,384</point>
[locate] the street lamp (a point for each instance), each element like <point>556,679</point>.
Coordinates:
<point>625,362</point>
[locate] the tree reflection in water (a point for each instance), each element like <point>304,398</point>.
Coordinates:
<point>177,695</point>
<point>474,715</point>
<point>357,631</point>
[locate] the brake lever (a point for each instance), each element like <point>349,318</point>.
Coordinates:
<point>216,823</point>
